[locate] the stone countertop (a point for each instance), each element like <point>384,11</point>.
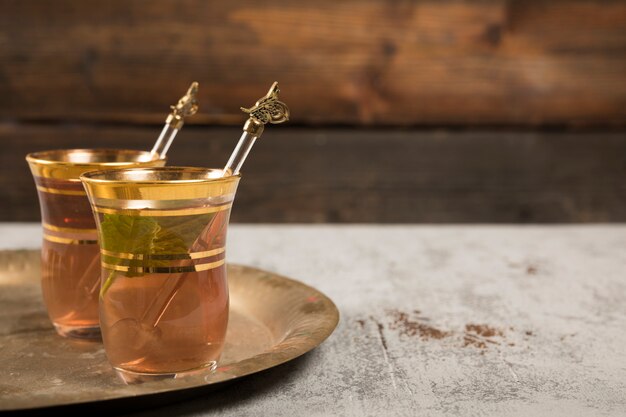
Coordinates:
<point>438,320</point>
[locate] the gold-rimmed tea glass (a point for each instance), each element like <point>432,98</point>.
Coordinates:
<point>164,293</point>
<point>70,257</point>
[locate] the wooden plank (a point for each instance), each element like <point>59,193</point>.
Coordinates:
<point>388,176</point>
<point>369,62</point>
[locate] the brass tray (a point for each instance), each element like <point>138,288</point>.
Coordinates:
<point>273,320</point>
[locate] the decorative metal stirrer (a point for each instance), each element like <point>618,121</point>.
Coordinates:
<point>186,106</point>
<point>268,109</point>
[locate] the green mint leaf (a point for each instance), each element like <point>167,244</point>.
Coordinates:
<point>148,236</point>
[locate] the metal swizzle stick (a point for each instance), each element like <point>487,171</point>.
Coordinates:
<point>268,109</point>
<point>186,106</point>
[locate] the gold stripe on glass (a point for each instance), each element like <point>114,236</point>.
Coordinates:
<point>165,269</point>
<point>69,241</point>
<point>141,256</point>
<point>60,191</point>
<point>160,213</point>
<point>67,229</point>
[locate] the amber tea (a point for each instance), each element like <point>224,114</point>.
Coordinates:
<point>70,257</point>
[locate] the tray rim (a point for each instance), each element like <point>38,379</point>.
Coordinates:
<point>291,346</point>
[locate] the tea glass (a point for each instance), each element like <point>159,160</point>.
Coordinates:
<point>70,257</point>
<point>164,294</point>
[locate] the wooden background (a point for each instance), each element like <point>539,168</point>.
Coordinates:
<point>402,111</point>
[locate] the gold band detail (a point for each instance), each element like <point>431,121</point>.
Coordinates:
<point>60,191</point>
<point>160,213</point>
<point>69,241</point>
<point>67,229</point>
<point>141,256</point>
<point>165,269</point>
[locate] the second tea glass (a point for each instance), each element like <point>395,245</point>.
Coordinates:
<point>164,293</point>
<point>70,257</point>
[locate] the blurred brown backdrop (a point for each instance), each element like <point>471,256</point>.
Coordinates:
<point>402,111</point>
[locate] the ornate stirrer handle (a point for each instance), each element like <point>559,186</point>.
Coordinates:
<point>186,106</point>
<point>267,109</point>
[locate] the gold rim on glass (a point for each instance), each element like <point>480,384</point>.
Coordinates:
<point>69,164</point>
<point>163,188</point>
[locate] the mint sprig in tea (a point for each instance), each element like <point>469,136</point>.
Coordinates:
<point>136,244</point>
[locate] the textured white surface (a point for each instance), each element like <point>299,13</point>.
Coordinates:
<point>550,302</point>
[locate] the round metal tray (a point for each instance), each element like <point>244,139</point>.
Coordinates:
<point>273,320</point>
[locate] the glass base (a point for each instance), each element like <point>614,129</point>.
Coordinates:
<point>78,332</point>
<point>131,377</point>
